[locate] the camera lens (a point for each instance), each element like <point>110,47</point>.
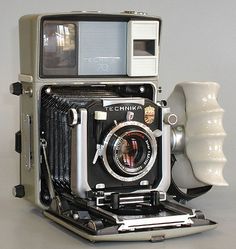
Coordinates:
<point>130,151</point>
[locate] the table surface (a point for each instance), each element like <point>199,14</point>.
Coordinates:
<point>23,226</point>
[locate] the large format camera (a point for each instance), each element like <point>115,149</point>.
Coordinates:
<point>101,154</point>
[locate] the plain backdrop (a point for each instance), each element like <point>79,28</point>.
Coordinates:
<point>198,43</point>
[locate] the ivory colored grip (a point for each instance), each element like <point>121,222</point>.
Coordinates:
<point>204,131</point>
<point>198,110</point>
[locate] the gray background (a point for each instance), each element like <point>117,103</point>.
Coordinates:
<point>198,43</point>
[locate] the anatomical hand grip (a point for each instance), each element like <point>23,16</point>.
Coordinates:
<point>199,112</point>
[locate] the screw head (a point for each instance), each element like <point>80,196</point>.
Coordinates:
<point>142,89</point>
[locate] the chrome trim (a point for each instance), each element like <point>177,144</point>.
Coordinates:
<point>178,139</point>
<point>144,183</point>
<point>79,184</point>
<point>153,156</point>
<point>145,191</point>
<point>170,118</point>
<point>100,186</point>
<point>140,223</point>
<point>98,153</point>
<point>157,133</point>
<point>50,185</point>
<point>166,152</point>
<point>182,216</point>
<point>27,135</point>
<point>129,116</point>
<point>113,101</point>
<point>75,117</point>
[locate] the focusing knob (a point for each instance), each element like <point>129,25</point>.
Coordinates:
<point>16,88</point>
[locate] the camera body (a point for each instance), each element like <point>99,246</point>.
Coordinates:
<point>95,142</point>
<point>79,73</point>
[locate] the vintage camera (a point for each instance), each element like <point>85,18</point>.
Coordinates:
<point>100,153</point>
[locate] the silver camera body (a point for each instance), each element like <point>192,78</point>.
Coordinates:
<point>95,142</point>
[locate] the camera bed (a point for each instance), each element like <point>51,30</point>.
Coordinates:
<point>102,225</point>
<point>152,236</point>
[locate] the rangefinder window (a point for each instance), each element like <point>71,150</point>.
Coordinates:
<point>84,48</point>
<point>59,48</point>
<point>144,47</point>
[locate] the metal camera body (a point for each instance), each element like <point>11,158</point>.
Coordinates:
<point>95,141</point>
<point>135,89</point>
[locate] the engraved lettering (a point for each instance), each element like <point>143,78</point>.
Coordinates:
<point>123,108</point>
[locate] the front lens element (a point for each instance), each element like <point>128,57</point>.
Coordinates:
<point>132,152</point>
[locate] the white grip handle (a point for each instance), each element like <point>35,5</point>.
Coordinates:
<point>202,116</point>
